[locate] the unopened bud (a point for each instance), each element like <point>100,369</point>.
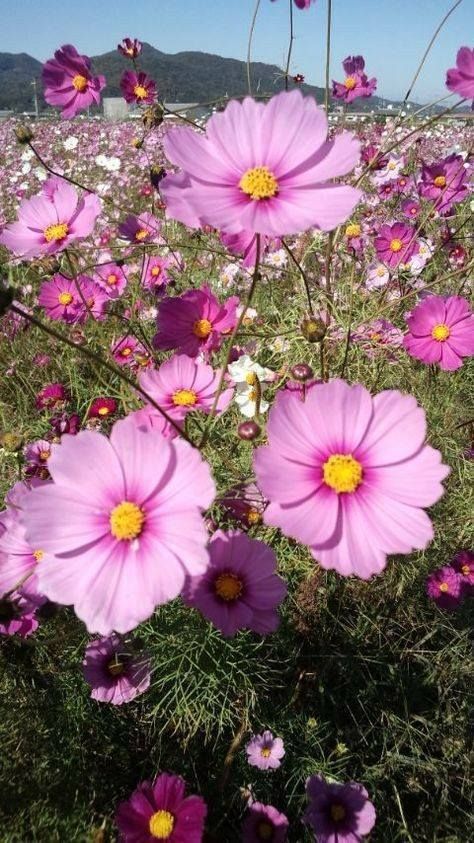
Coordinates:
<point>313,330</point>
<point>248,430</point>
<point>24,134</point>
<point>302,372</point>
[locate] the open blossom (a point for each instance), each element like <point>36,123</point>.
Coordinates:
<point>138,87</point>
<point>356,84</point>
<point>460,79</point>
<point>155,275</point>
<point>115,671</point>
<point>18,559</point>
<point>240,589</point>
<point>395,244</point>
<point>112,278</point>
<point>441,331</point>
<point>343,465</point>
<point>50,221</point>
<point>130,47</point>
<point>265,752</point>
<point>262,168</point>
<point>246,503</point>
<point>377,276</point>
<point>61,300</point>
<point>445,587</point>
<point>160,811</point>
<point>68,81</point>
<point>445,182</point>
<point>52,396</point>
<point>114,508</point>
<point>18,614</point>
<point>128,351</point>
<point>182,385</point>
<point>142,229</point>
<point>264,822</point>
<point>194,322</point>
<point>338,813</point>
<point>102,408</point>
<point>463,564</point>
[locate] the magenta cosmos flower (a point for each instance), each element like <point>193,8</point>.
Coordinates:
<point>263,168</point>
<point>182,385</point>
<point>264,823</point>
<point>302,4</point>
<point>51,397</point>
<point>342,466</point>
<point>441,330</point>
<point>463,564</point>
<point>338,813</point>
<point>194,322</point>
<point>460,79</point>
<point>396,243</point>
<point>155,275</point>
<point>68,81</point>
<point>160,811</point>
<point>115,507</point>
<point>240,589</point>
<point>445,587</point>
<point>112,278</point>
<point>356,83</point>
<point>130,47</point>
<point>138,87</point>
<point>264,751</point>
<point>142,229</point>
<point>48,223</point>
<point>102,408</point>
<point>115,672</point>
<point>445,182</point>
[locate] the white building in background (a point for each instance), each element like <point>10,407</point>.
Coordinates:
<point>115,108</point>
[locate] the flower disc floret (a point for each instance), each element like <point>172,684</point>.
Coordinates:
<point>259,183</point>
<point>126,521</point>
<point>56,232</point>
<point>80,82</point>
<point>342,473</point>
<point>228,586</point>
<point>440,333</point>
<point>161,825</point>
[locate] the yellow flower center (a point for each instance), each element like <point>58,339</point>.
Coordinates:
<point>350,83</point>
<point>440,333</point>
<point>161,825</point>
<point>156,271</point>
<point>126,520</point>
<point>38,554</point>
<point>465,570</point>
<point>444,587</point>
<point>251,378</point>
<point>103,411</point>
<point>126,352</point>
<point>140,92</point>
<point>259,183</point>
<point>202,328</point>
<point>141,234</point>
<point>396,245</point>
<point>58,231</point>
<point>65,298</point>
<point>228,586</point>
<point>129,51</point>
<point>391,165</point>
<point>254,516</point>
<point>440,181</point>
<point>115,668</point>
<point>338,812</point>
<point>44,455</point>
<point>353,230</point>
<point>265,752</point>
<point>375,337</point>
<point>80,82</point>
<point>265,830</point>
<point>380,271</point>
<point>342,473</point>
<point>184,398</point>
<point>112,279</point>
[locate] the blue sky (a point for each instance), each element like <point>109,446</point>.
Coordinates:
<point>391,34</point>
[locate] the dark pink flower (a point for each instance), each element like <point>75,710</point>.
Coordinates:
<point>130,47</point>
<point>160,811</point>
<point>102,408</point>
<point>356,83</point>
<point>61,300</point>
<point>115,671</point>
<point>264,823</point>
<point>68,81</point>
<point>138,87</point>
<point>411,208</point>
<point>463,564</point>
<point>396,243</point>
<point>194,322</point>
<point>155,272</point>
<point>441,330</point>
<point>17,614</point>
<point>338,813</point>
<point>52,395</point>
<point>245,503</point>
<point>445,587</point>
<point>445,183</point>
<point>460,79</point>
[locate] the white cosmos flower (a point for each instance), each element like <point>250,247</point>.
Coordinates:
<point>244,371</point>
<point>70,143</point>
<point>246,399</point>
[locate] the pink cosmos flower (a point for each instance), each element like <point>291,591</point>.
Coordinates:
<point>112,278</point>
<point>445,587</point>
<point>441,330</point>
<point>52,396</point>
<point>61,300</point>
<point>445,182</point>
<point>93,299</point>
<point>18,559</point>
<point>138,87</point>
<point>115,672</point>
<point>124,350</point>
<point>342,466</point>
<point>142,229</point>
<point>17,614</point>
<point>38,453</point>
<point>182,385</point>
<point>264,822</point>
<point>160,811</point>
<point>463,564</point>
<point>262,168</point>
<point>356,83</point>
<point>48,224</point>
<point>240,589</point>
<point>411,208</point>
<point>68,82</point>
<point>194,322</point>
<point>338,813</point>
<point>396,243</point>
<point>245,503</point>
<point>114,508</point>
<point>130,47</point>
<point>265,752</point>
<point>155,272</point>
<point>460,79</point>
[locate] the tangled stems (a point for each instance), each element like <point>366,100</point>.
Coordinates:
<point>256,275</point>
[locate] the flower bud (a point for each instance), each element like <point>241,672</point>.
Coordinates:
<point>24,134</point>
<point>313,330</point>
<point>248,430</point>
<point>302,372</point>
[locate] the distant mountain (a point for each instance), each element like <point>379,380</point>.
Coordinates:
<point>181,77</point>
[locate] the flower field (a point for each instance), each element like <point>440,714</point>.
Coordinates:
<point>236,430</point>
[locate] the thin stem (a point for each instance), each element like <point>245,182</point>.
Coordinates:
<point>328,55</point>
<point>232,337</point>
<point>290,46</point>
<point>425,55</point>
<point>349,326</point>
<point>249,49</point>
<point>303,275</point>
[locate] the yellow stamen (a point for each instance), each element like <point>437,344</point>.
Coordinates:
<point>202,328</point>
<point>465,570</point>
<point>126,352</point>
<point>58,231</point>
<point>184,398</point>
<point>353,230</point>
<point>338,812</point>
<point>65,298</point>
<point>444,587</point>
<point>440,333</point>
<point>38,554</point>
<point>141,234</point>
<point>156,271</point>
<point>112,279</point>
<point>103,411</point>
<point>440,181</point>
<point>44,455</point>
<point>140,92</point>
<point>80,83</point>
<point>350,83</point>
<point>396,245</point>
<point>254,516</point>
<point>228,586</point>
<point>126,520</point>
<point>251,378</point>
<point>265,752</point>
<point>259,183</point>
<point>380,271</point>
<point>161,825</point>
<point>342,473</point>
